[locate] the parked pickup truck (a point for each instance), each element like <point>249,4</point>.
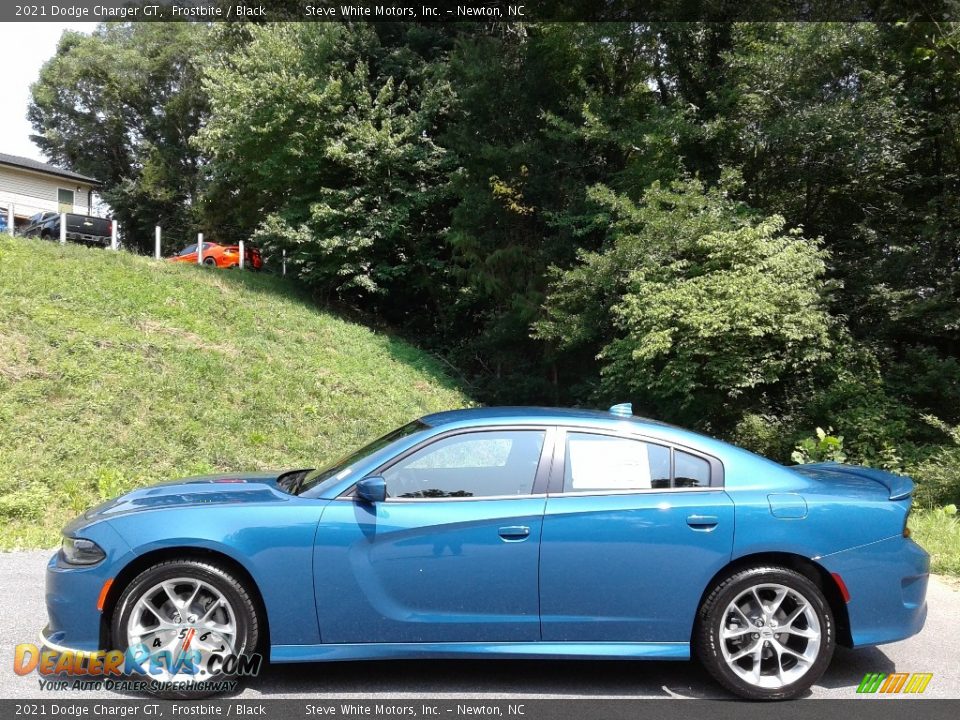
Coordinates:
<point>80,228</point>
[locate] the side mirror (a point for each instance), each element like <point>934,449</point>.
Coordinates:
<point>372,489</point>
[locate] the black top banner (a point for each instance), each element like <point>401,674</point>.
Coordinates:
<point>482,11</point>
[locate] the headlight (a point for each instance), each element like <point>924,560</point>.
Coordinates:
<point>78,551</point>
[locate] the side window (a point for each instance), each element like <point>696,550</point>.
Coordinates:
<point>476,464</point>
<point>65,200</point>
<point>603,462</point>
<point>187,250</point>
<point>690,471</point>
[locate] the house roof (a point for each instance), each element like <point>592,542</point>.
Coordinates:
<point>36,166</point>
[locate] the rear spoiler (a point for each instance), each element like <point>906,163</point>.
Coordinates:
<point>899,486</point>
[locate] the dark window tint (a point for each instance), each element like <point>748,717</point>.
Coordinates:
<point>187,250</point>
<point>478,464</point>
<point>603,462</point>
<point>690,471</point>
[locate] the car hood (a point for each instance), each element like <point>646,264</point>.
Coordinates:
<point>202,490</point>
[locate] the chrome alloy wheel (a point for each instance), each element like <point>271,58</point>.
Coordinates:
<point>179,616</point>
<point>770,636</point>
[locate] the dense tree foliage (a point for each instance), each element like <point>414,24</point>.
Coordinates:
<point>749,228</point>
<point>700,310</point>
<point>121,105</point>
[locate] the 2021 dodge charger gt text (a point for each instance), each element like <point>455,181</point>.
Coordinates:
<point>505,533</point>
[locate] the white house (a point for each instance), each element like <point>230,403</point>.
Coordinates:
<point>29,187</point>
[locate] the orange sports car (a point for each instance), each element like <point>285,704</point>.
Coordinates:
<point>222,256</point>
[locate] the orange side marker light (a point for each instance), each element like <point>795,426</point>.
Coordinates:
<point>103,594</point>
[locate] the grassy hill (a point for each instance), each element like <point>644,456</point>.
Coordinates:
<point>118,371</point>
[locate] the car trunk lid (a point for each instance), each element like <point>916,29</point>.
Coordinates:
<point>898,487</point>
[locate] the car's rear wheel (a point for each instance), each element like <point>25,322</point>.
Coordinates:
<point>190,611</point>
<point>765,633</point>
<point>210,262</point>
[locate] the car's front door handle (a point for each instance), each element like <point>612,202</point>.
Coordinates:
<point>702,522</point>
<point>514,533</point>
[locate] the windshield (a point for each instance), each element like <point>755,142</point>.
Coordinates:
<point>343,467</point>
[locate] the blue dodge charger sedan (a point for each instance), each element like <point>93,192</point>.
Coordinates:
<point>504,533</point>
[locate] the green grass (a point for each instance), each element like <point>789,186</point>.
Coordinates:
<point>938,531</point>
<point>118,371</point>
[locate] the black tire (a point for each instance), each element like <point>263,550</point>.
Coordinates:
<point>711,620</point>
<point>232,589</point>
<point>210,262</point>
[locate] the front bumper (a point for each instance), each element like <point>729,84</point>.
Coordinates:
<point>71,595</point>
<point>72,591</point>
<point>887,581</point>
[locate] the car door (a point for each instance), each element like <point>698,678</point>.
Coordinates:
<point>451,555</point>
<point>188,254</point>
<point>633,531</point>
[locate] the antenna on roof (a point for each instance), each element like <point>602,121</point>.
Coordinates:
<point>622,410</point>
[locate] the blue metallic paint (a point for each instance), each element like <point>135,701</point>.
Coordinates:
<point>428,571</point>
<point>605,575</point>
<point>599,554</point>
<point>491,650</point>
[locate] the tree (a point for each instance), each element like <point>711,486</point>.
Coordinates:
<point>121,105</point>
<point>323,143</point>
<point>695,307</point>
<point>544,112</point>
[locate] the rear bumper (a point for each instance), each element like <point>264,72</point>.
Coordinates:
<point>887,581</point>
<point>83,237</point>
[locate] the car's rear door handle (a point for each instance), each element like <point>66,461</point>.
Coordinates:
<point>702,522</point>
<point>514,533</point>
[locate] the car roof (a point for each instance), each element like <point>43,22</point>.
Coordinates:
<point>519,414</point>
<point>573,417</point>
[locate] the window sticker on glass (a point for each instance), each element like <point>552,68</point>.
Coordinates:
<point>597,462</point>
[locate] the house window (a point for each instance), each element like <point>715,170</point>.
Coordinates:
<point>65,200</point>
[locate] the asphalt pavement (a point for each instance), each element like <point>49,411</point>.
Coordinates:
<point>22,615</point>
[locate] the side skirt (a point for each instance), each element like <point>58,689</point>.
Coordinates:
<point>493,651</point>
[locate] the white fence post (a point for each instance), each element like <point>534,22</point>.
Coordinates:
<point>113,234</point>
<point>284,262</point>
<point>63,228</point>
<point>10,219</point>
<point>199,248</point>
<point>156,244</point>
<point>241,254</point>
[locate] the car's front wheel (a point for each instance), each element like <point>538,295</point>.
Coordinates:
<point>190,616</point>
<point>766,633</point>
